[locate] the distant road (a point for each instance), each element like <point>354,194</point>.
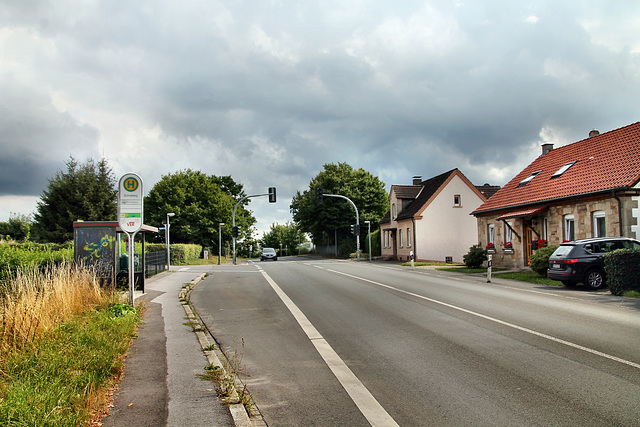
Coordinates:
<point>337,343</point>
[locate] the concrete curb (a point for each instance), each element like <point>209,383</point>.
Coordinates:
<point>214,355</point>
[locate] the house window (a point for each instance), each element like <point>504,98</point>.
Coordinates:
<point>508,232</point>
<point>563,169</point>
<point>456,201</point>
<point>408,237</point>
<point>529,178</point>
<point>569,228</point>
<point>393,211</point>
<point>491,234</point>
<point>599,224</point>
<point>400,238</point>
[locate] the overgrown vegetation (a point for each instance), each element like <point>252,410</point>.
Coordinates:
<point>62,343</point>
<point>14,256</point>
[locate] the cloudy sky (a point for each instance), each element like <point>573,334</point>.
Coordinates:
<point>269,91</point>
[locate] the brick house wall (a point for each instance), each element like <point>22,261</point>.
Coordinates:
<point>549,225</point>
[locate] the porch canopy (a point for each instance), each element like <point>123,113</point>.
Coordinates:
<point>521,213</point>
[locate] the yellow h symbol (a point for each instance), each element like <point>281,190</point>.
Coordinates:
<point>131,184</point>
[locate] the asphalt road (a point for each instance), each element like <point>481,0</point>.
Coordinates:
<point>332,343</point>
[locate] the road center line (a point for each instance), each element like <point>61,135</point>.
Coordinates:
<point>493,319</point>
<point>364,400</point>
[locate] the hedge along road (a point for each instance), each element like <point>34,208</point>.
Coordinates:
<point>430,347</point>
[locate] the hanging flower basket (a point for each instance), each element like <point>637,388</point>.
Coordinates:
<point>508,245</point>
<point>490,247</point>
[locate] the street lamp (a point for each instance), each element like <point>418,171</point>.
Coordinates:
<point>369,232</point>
<point>220,224</point>
<point>167,239</point>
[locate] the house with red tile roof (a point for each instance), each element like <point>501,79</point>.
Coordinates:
<point>431,219</point>
<point>586,189</point>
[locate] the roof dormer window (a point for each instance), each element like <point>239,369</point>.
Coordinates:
<point>529,178</point>
<point>563,169</point>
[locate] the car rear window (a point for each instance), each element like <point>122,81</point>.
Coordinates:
<point>562,250</point>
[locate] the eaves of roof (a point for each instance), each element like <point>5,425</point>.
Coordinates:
<point>429,188</point>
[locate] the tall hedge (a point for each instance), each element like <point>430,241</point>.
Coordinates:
<point>182,254</point>
<point>623,270</point>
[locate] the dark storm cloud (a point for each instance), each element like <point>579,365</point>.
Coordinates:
<point>272,91</point>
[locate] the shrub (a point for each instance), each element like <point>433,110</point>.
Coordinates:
<point>475,257</point>
<point>540,259</point>
<point>623,270</point>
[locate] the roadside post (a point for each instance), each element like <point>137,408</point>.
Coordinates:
<point>130,217</point>
<point>489,268</point>
<point>411,256</point>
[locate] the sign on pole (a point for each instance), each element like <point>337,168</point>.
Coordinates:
<point>130,210</point>
<point>130,199</point>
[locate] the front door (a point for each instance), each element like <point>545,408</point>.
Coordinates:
<point>528,240</point>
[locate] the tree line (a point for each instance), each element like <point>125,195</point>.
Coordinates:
<point>88,191</point>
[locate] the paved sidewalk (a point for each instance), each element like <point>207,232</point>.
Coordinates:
<point>160,386</point>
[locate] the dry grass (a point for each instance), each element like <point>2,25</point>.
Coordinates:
<point>38,301</point>
<point>63,338</point>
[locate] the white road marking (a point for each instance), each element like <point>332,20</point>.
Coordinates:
<point>501,322</point>
<point>364,400</point>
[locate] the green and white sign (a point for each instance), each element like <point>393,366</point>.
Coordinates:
<point>130,203</point>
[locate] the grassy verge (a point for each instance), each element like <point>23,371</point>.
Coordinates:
<point>429,263</point>
<point>466,270</point>
<point>529,276</point>
<point>62,343</point>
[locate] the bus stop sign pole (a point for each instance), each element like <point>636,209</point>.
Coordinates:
<point>130,217</point>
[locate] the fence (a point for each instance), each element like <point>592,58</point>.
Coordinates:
<point>156,262</point>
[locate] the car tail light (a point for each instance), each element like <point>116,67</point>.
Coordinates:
<point>570,260</point>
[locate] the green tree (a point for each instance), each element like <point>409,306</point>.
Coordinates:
<point>336,214</point>
<point>286,234</point>
<point>17,228</point>
<point>84,192</point>
<point>199,204</point>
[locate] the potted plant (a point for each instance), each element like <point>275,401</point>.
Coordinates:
<point>508,245</point>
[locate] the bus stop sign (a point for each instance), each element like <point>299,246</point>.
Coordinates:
<point>130,203</point>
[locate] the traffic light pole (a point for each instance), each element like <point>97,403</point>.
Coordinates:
<point>357,220</point>
<point>272,199</point>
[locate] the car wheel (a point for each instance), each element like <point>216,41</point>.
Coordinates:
<point>594,279</point>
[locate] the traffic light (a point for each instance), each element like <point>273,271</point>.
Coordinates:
<point>318,194</point>
<point>355,229</point>
<point>272,194</point>
<point>235,231</point>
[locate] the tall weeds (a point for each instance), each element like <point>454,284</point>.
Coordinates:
<point>39,300</point>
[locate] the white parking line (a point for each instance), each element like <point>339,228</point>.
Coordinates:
<point>364,400</point>
<point>501,322</point>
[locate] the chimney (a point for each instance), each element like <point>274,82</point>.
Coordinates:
<point>594,132</point>
<point>546,148</point>
<point>417,180</point>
